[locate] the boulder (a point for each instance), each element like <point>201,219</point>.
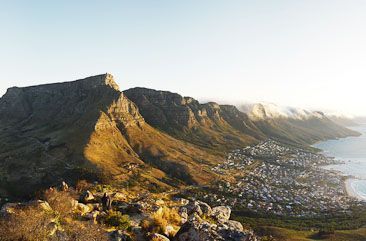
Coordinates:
<point>119,196</point>
<point>221,213</point>
<point>82,208</point>
<point>158,237</point>
<point>206,209</point>
<point>136,208</point>
<point>92,216</point>
<point>119,235</point>
<point>160,202</point>
<point>181,201</point>
<point>64,186</point>
<point>193,207</point>
<point>43,205</point>
<point>234,225</point>
<point>183,213</point>
<point>196,229</point>
<point>170,231</point>
<point>53,227</point>
<point>74,203</point>
<point>86,197</point>
<point>230,233</point>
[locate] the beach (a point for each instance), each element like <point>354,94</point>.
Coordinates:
<point>351,190</point>
<point>351,150</point>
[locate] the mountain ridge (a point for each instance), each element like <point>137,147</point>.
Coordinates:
<point>89,129</point>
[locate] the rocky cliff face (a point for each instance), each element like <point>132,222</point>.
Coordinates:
<point>210,125</point>
<point>86,129</point>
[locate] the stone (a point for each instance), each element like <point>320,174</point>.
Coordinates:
<point>170,231</point>
<point>43,205</point>
<point>197,229</point>
<point>183,214</point>
<point>64,186</point>
<point>158,237</point>
<point>86,197</point>
<point>82,208</point>
<point>135,208</point>
<point>221,213</point>
<point>119,235</point>
<point>119,196</point>
<point>231,224</point>
<point>53,227</point>
<point>159,202</point>
<point>74,203</point>
<point>193,207</point>
<point>194,230</point>
<point>92,216</point>
<point>206,209</point>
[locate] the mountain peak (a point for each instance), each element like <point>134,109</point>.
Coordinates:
<point>109,80</point>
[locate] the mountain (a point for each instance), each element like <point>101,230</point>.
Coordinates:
<point>215,127</point>
<point>360,119</point>
<point>343,120</point>
<point>88,129</point>
<point>140,138</point>
<point>265,111</point>
<point>294,125</point>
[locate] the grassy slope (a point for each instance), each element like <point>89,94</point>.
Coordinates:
<point>294,235</point>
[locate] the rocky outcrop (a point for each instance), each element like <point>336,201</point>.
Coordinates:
<point>212,224</point>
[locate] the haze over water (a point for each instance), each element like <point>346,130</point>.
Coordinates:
<point>352,150</point>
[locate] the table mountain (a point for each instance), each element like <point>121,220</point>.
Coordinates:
<point>87,129</point>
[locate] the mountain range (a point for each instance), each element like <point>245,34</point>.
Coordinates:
<point>90,129</point>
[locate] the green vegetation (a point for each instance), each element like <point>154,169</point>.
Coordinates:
<point>118,220</point>
<point>282,234</point>
<point>355,220</point>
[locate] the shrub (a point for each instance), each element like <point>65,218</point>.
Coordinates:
<point>160,219</point>
<point>82,231</point>
<point>60,201</point>
<point>116,219</point>
<point>82,186</point>
<point>26,224</point>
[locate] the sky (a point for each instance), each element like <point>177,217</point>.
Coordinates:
<point>302,53</point>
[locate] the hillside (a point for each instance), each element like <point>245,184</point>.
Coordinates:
<point>87,129</point>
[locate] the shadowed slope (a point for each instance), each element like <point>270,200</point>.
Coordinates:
<point>215,127</point>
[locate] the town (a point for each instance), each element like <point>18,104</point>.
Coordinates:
<point>273,178</point>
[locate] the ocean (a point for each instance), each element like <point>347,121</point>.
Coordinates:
<point>352,150</point>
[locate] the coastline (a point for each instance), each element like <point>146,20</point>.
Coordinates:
<point>351,191</point>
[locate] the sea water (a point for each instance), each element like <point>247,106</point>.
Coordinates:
<point>351,150</point>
